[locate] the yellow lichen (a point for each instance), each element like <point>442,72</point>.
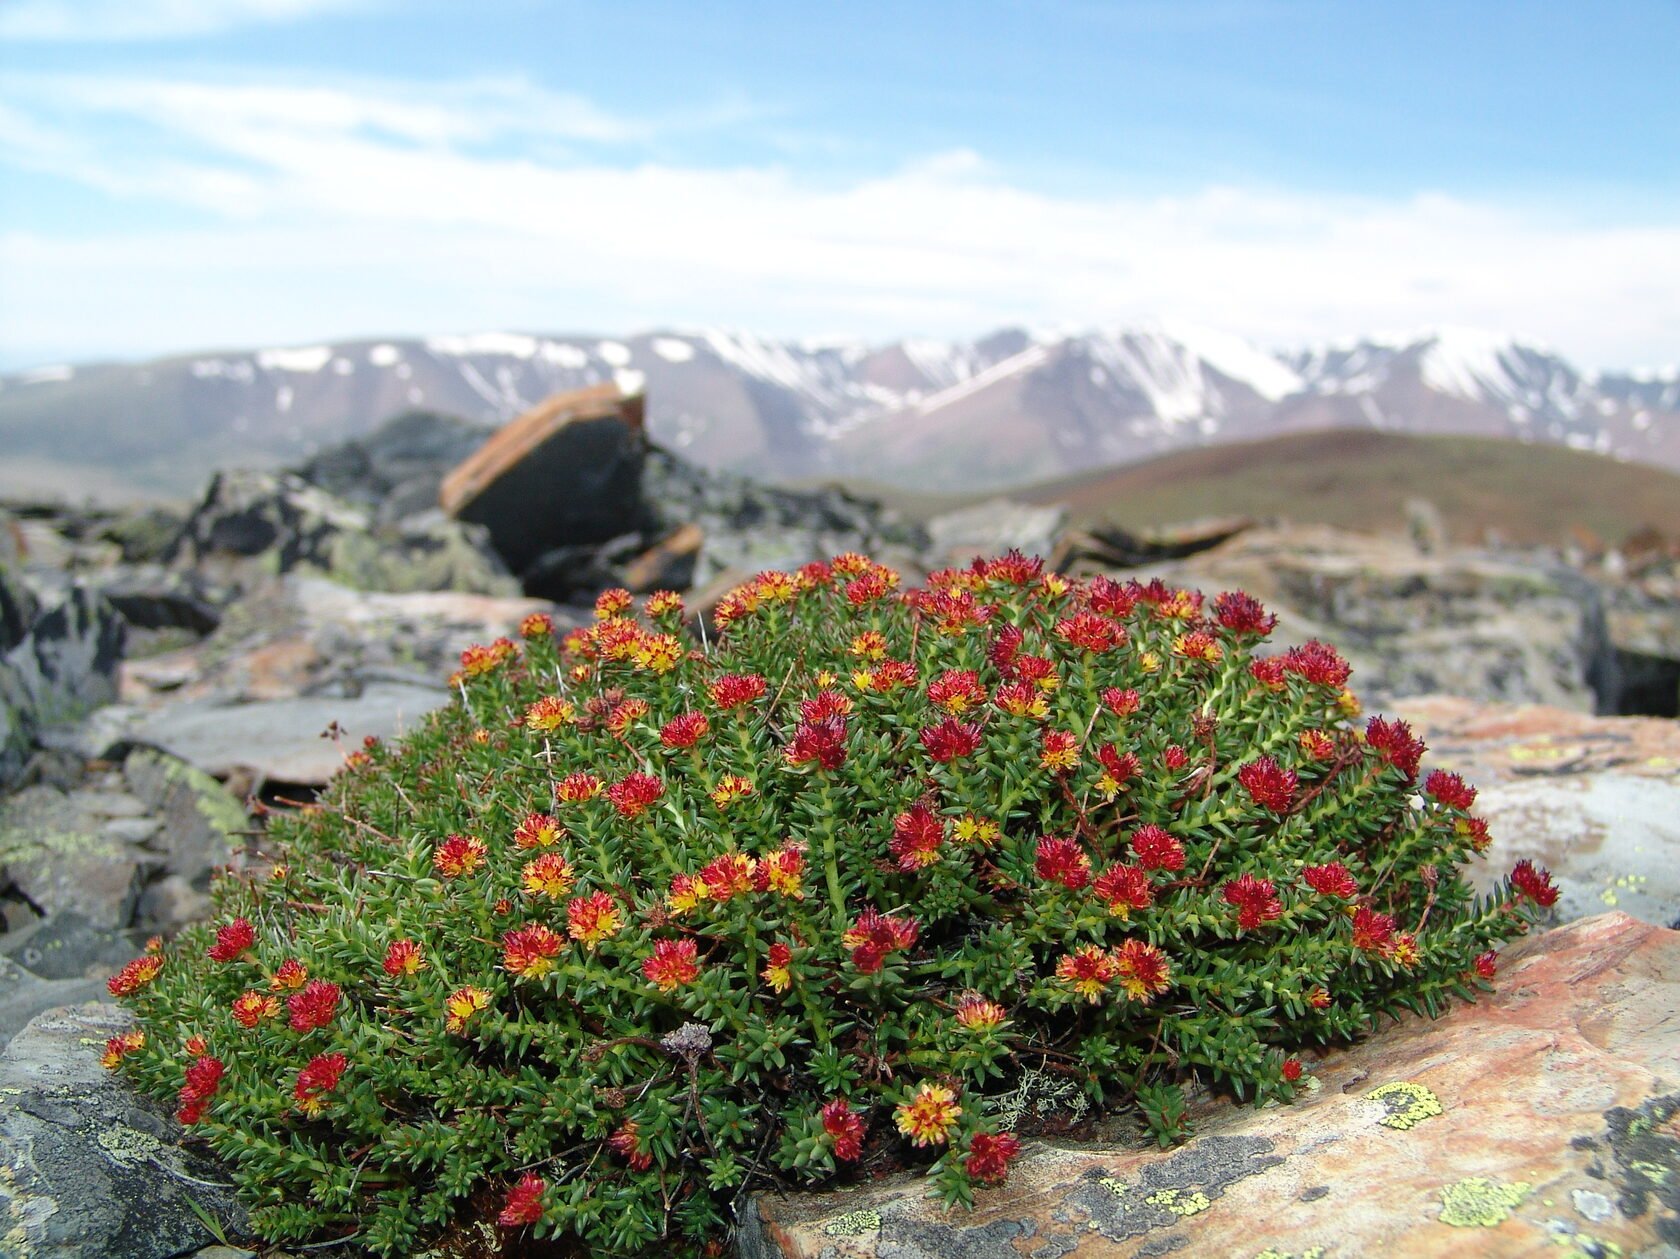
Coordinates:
<point>854,1223</point>
<point>1115,1187</point>
<point>1180,1203</point>
<point>1480,1203</point>
<point>1419,1104</point>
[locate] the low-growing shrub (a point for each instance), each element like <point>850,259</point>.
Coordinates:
<point>635,925</point>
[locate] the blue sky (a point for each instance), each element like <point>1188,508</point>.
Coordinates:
<point>178,174</point>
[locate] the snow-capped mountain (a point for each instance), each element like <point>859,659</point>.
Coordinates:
<point>1010,407</point>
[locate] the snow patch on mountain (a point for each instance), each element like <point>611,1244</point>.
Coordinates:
<point>306,358</point>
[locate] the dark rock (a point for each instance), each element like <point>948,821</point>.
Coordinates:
<point>566,473</point>
<point>24,994</point>
<point>144,535</point>
<point>201,819</point>
<point>94,1171</point>
<point>154,597</point>
<point>51,845</point>
<point>70,946</point>
<point>397,470</point>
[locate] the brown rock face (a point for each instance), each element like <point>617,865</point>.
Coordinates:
<point>1544,1120</point>
<point>566,472</point>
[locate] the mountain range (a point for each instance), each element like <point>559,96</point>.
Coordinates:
<point>1005,409</point>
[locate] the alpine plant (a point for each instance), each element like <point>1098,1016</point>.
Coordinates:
<point>639,923</point>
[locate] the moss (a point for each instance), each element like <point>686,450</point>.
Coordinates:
<point>1480,1203</point>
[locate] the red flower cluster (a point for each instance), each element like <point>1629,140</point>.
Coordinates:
<point>578,787</point>
<point>528,952</point>
<point>1373,932</point>
<point>844,1129</point>
<point>1487,963</point>
<point>1022,699</point>
<point>1156,849</point>
<point>874,935</point>
<point>825,704</point>
<point>1534,883</point>
<point>1318,664</point>
<point>251,1008</point>
<point>1450,790</point>
<point>314,1005</point>
<point>204,1077</point>
<point>823,742</point>
<point>134,975</point>
<point>1291,1070</point>
<point>1268,784</point>
<point>956,690</point>
<point>953,611</point>
<point>1090,632</point>
<point>319,1077</point>
<point>524,1202</point>
<point>1174,758</point>
<point>289,976</point>
<point>1142,970</point>
<point>233,940</point>
<point>1062,861</point>
<point>627,1144</point>
<point>1333,879</point>
<point>989,1156</point>
<point>1397,744</point>
<point>1242,614</point>
<point>458,855</point>
<point>684,731</point>
<point>951,740</point>
<point>917,836</point>
<point>538,830</point>
<point>403,957</point>
<point>634,794</point>
<point>671,964</point>
<point>593,918</point>
<point>1124,888</point>
<point>1059,751</point>
<point>1255,900</point>
<point>735,689</point>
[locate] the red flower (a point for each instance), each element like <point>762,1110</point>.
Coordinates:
<point>1268,672</point>
<point>778,967</point>
<point>956,690</point>
<point>1255,900</point>
<point>537,625</point>
<point>1174,758</point>
<point>684,731</point>
<point>1089,971</point>
<point>577,787</point>
<point>1198,645</point>
<point>735,689</point>
<point>823,742</point>
<point>134,975</point>
<point>781,871</point>
<point>1110,597</point>
<point>1242,614</point>
<point>1022,699</point>
<point>1534,883</point>
<point>203,1078</point>
<point>844,1129</point>
<point>671,964</point>
<point>1125,888</point>
<point>1037,670</point>
<point>403,957</point>
<point>951,739</point>
<point>528,952</point>
<point>524,1202</point>
<point>1157,850</point>
<point>1090,632</point>
<point>1373,932</point>
<point>593,918</point>
<point>823,705</point>
<point>1316,745</point>
<point>1332,880</point>
<point>627,1143</point>
<point>1121,703</point>
<point>538,830</point>
<point>1450,790</point>
<point>1062,861</point>
<point>289,976</point>
<point>1292,1069</point>
<point>1487,963</point>
<point>1268,784</point>
<point>1318,664</point>
<point>634,794</point>
<point>1004,647</point>
<point>1142,969</point>
<point>314,1005</point>
<point>953,611</point>
<point>1398,746</point>
<point>874,935</point>
<point>1059,751</point>
<point>458,855</point>
<point>251,1008</point>
<point>318,1078</point>
<point>989,1156</point>
<point>1009,569</point>
<point>917,835</point>
<point>233,940</point>
<point>729,875</point>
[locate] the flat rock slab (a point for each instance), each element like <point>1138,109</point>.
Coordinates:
<point>87,1170</point>
<point>280,740</point>
<point>1544,1120</point>
<point>1595,799</point>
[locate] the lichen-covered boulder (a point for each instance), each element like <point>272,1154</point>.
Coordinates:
<point>1542,1120</point>
<point>87,1169</point>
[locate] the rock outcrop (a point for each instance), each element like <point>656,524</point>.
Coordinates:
<point>1542,1120</point>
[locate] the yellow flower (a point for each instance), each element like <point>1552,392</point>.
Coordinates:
<point>929,1116</point>
<point>462,1005</point>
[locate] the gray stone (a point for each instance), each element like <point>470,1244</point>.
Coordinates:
<point>93,1171</point>
<point>170,903</point>
<point>57,857</point>
<point>199,818</point>
<point>131,830</point>
<point>69,946</point>
<point>23,995</point>
<point>993,527</point>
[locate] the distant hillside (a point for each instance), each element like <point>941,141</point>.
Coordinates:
<point>1007,409</point>
<point>1355,479</point>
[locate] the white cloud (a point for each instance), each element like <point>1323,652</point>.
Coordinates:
<point>114,20</point>
<point>382,209</point>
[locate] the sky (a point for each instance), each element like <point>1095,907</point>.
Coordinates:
<point>190,174</point>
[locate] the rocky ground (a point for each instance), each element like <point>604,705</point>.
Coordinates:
<point>159,671</point>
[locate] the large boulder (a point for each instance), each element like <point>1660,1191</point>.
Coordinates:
<point>91,1170</point>
<point>1543,1120</point>
<point>254,524</point>
<point>397,470</point>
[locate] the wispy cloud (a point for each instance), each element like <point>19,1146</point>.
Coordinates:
<point>387,208</point>
<point>89,21</point>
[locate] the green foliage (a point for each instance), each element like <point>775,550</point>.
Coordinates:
<point>633,926</point>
